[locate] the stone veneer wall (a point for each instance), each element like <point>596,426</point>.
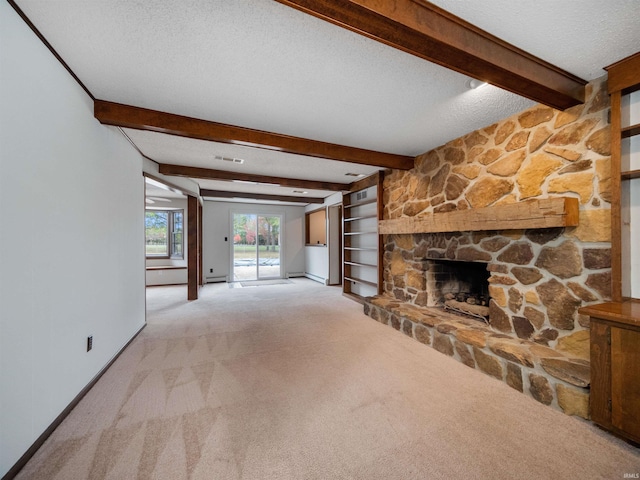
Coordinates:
<point>539,278</point>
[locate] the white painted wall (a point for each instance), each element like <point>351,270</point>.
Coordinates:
<point>316,263</point>
<point>216,222</point>
<point>71,241</point>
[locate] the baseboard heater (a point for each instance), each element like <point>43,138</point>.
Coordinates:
<point>215,279</point>
<point>295,274</point>
<point>316,278</point>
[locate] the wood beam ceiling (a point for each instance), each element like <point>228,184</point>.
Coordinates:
<point>109,113</point>
<point>422,29</point>
<point>207,173</point>
<point>260,196</point>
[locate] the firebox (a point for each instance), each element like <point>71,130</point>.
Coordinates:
<point>461,287</point>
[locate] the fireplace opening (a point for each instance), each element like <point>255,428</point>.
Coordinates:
<point>460,287</point>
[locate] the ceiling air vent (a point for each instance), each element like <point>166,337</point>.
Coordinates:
<point>361,195</point>
<point>229,159</point>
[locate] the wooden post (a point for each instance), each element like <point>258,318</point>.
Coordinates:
<point>192,242</point>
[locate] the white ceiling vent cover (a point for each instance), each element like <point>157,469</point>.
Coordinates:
<point>229,159</point>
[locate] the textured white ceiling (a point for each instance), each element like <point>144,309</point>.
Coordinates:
<point>580,36</point>
<point>199,153</point>
<point>262,65</point>
<point>259,64</point>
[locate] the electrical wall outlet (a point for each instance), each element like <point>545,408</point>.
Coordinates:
<point>89,342</point>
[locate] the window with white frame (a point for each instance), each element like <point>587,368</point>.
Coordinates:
<point>164,233</point>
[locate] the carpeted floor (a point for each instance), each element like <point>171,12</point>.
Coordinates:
<point>294,382</point>
<point>262,283</point>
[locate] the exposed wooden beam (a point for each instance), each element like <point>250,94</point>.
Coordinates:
<point>260,196</point>
<point>422,29</point>
<point>109,113</point>
<point>365,182</point>
<point>208,173</point>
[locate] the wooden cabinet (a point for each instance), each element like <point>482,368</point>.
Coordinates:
<point>615,367</point>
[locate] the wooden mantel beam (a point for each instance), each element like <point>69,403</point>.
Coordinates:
<point>542,213</point>
<point>422,29</point>
<point>116,114</point>
<point>211,174</point>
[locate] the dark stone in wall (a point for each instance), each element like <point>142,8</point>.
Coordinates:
<point>470,254</point>
<point>526,275</point>
<point>514,377</point>
<point>488,363</point>
<point>522,327</point>
<point>545,336</point>
<point>540,389</point>
<point>465,354</point>
<point>562,261</point>
<point>494,244</point>
<point>561,305</point>
<point>515,299</point>
<point>542,236</point>
<point>519,253</point>
<point>407,327</point>
<point>421,333</point>
<point>597,258</point>
<point>536,317</point>
<point>442,343</point>
<point>498,318</point>
<point>601,283</point>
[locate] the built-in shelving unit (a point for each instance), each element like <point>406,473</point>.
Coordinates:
<point>624,88</point>
<point>615,326</point>
<point>361,241</point>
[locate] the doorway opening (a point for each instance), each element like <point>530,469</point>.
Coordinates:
<point>256,246</point>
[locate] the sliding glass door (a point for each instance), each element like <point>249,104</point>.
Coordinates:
<point>256,246</point>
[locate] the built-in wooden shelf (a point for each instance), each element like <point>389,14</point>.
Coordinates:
<point>539,213</point>
<point>630,131</point>
<point>362,249</point>
<point>364,217</point>
<point>359,280</point>
<point>359,264</point>
<point>359,204</point>
<point>361,233</point>
<point>629,174</point>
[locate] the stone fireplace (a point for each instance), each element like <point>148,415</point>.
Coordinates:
<point>534,340</point>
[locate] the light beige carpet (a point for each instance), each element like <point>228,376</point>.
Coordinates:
<point>294,382</point>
